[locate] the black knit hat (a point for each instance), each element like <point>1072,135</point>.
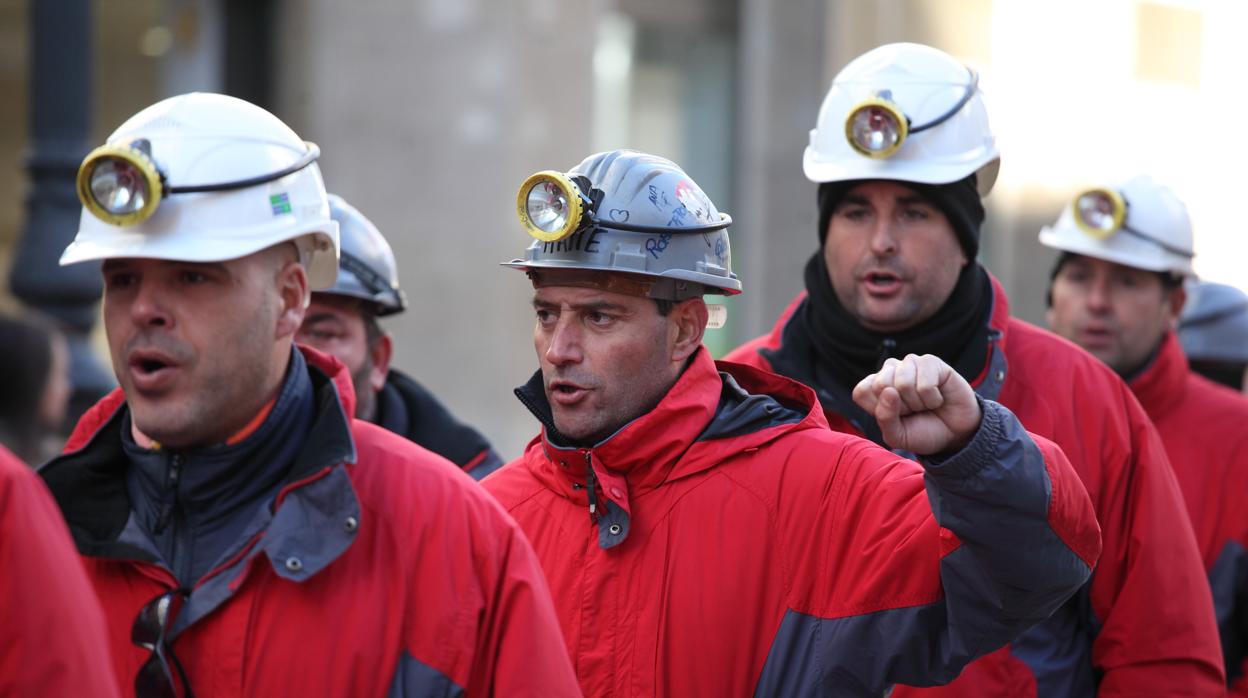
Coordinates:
<point>959,201</point>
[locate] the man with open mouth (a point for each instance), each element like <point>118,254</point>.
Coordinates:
<point>703,531</point>
<point>246,535</point>
<point>902,153</point>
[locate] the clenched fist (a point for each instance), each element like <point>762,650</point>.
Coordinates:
<point>921,404</point>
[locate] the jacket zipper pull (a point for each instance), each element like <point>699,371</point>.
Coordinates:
<point>170,497</point>
<point>591,487</point>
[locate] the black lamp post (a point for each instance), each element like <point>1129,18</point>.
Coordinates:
<point>60,111</point>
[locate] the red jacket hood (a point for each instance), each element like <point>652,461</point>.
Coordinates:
<point>102,411</point>
<point>1159,387</point>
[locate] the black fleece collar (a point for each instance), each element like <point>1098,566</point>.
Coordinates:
<point>849,352</point>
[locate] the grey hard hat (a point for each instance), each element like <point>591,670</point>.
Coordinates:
<point>631,214</point>
<point>1214,323</point>
<point>366,267</point>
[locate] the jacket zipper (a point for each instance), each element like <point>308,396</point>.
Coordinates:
<point>591,486</point>
<point>170,498</point>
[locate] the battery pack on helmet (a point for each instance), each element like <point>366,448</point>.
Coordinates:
<point>550,206</point>
<point>1100,212</point>
<point>119,184</point>
<point>876,128</point>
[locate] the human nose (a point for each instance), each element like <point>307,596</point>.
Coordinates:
<point>883,238</point>
<point>564,343</point>
<point>1098,295</point>
<point>148,309</point>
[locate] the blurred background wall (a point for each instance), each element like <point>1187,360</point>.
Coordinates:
<point>431,112</point>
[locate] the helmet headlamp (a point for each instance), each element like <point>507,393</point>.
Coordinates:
<point>1100,213</point>
<point>876,127</point>
<point>121,184</point>
<point>552,207</point>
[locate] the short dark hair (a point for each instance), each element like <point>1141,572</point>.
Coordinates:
<point>372,329</point>
<point>25,362</point>
<point>665,306</point>
<point>1169,280</point>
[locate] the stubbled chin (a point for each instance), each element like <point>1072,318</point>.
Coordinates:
<point>884,315</point>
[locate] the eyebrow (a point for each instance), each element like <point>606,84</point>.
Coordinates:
<point>904,200</point>
<point>915,200</point>
<point>540,304</point>
<point>321,317</point>
<point>116,264</point>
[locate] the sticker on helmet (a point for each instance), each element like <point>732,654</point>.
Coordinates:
<point>717,316</point>
<point>695,201</point>
<point>280,203</point>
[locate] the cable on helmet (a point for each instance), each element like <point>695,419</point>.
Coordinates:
<point>552,207</point>
<point>876,127</point>
<point>122,185</point>
<point>1100,213</point>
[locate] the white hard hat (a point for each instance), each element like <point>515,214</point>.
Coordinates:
<point>1140,224</point>
<point>204,178</point>
<point>903,112</point>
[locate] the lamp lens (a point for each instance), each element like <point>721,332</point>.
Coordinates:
<point>875,129</point>
<point>547,206</point>
<point>1097,211</point>
<point>119,187</point>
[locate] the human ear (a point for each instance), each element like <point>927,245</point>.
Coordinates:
<point>689,320</point>
<point>293,298</point>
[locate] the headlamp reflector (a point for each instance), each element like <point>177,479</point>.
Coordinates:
<point>549,205</point>
<point>119,184</point>
<point>118,187</point>
<point>876,128</point>
<point>1100,212</point>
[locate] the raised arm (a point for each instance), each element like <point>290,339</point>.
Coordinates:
<point>908,573</point>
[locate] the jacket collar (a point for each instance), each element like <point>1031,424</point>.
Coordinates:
<point>88,480</point>
<point>1159,387</point>
<point>999,321</point>
<point>713,411</point>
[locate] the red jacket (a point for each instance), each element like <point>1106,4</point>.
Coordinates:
<point>1144,626</point>
<point>384,571</point>
<point>738,547</point>
<point>1204,427</point>
<point>51,628</point>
